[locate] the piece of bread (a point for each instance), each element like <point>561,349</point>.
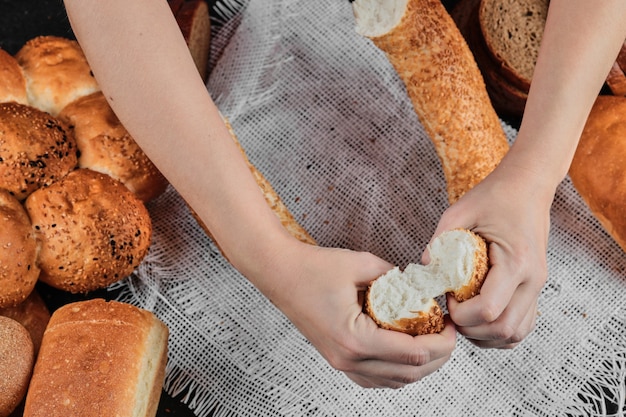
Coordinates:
<point>616,80</point>
<point>405,300</point>
<point>33,314</point>
<point>507,99</point>
<point>271,198</point>
<point>513,30</point>
<point>12,81</point>
<point>106,146</point>
<point>19,251</point>
<point>193,19</point>
<point>56,72</point>
<point>16,364</point>
<point>597,169</point>
<point>444,83</point>
<point>36,149</point>
<point>99,359</point>
<point>93,231</point>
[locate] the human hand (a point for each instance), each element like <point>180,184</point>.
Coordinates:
<point>324,299</point>
<point>510,209</point>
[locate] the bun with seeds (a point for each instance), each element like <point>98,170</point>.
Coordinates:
<point>404,301</point>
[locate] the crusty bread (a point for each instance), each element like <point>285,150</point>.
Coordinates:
<point>597,170</point>
<point>193,19</point>
<point>36,149</point>
<point>405,300</point>
<point>93,231</point>
<point>444,83</point>
<point>56,72</point>
<point>106,146</point>
<point>18,252</point>
<point>31,313</point>
<point>616,80</point>
<point>12,81</point>
<point>16,364</point>
<point>99,359</point>
<point>621,57</point>
<point>513,30</point>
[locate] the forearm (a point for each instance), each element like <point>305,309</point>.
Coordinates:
<point>580,43</point>
<point>146,72</point>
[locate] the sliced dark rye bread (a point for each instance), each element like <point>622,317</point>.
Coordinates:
<point>512,30</point>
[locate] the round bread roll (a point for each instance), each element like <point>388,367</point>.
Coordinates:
<point>56,72</point>
<point>106,146</point>
<point>18,252</point>
<point>93,231</point>
<point>36,149</point>
<point>597,169</point>
<point>16,364</point>
<point>33,314</point>
<point>405,300</point>
<point>12,81</point>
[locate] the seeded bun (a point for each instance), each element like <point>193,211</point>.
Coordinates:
<point>405,300</point>
<point>106,146</point>
<point>36,149</point>
<point>18,252</point>
<point>16,364</point>
<point>33,314</point>
<point>56,72</point>
<point>93,231</point>
<point>12,81</point>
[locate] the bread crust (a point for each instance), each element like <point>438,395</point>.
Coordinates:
<point>448,93</point>
<point>56,72</point>
<point>16,364</point>
<point>93,231</point>
<point>106,146</point>
<point>423,322</point>
<point>99,358</point>
<point>12,81</point>
<point>193,20</point>
<point>597,169</point>
<point>479,273</point>
<point>616,80</point>
<point>36,149</point>
<point>33,314</point>
<point>19,251</point>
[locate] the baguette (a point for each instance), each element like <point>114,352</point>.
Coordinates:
<point>404,301</point>
<point>99,358</point>
<point>444,83</point>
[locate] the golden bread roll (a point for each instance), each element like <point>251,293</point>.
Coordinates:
<point>93,231</point>
<point>12,81</point>
<point>443,81</point>
<point>56,72</point>
<point>31,313</point>
<point>36,149</point>
<point>106,146</point>
<point>18,252</point>
<point>16,364</point>
<point>405,300</point>
<point>194,22</point>
<point>99,359</point>
<point>598,167</point>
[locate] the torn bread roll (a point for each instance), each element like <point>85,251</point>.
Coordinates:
<point>99,358</point>
<point>405,300</point>
<point>444,83</point>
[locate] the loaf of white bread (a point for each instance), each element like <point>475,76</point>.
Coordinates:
<point>444,83</point>
<point>405,301</point>
<point>99,358</point>
<point>598,167</point>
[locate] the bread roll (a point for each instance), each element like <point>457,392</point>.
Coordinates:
<point>12,81</point>
<point>93,231</point>
<point>16,364</point>
<point>193,19</point>
<point>405,300</point>
<point>106,146</point>
<point>597,169</point>
<point>99,359</point>
<point>36,149</point>
<point>18,252</point>
<point>443,81</point>
<point>33,314</point>
<point>56,72</point>
<point>616,80</point>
